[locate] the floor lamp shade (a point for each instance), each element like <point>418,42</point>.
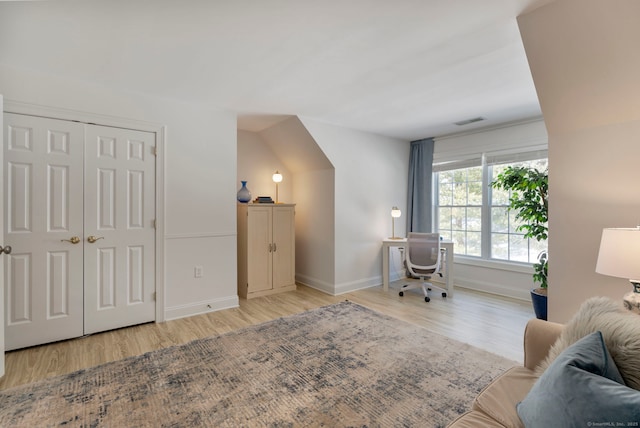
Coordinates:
<point>619,256</point>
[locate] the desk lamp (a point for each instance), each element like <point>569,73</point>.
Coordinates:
<point>395,213</point>
<point>277,178</point>
<point>619,256</point>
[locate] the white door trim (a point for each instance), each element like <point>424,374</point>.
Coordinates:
<point>11,106</point>
<point>2,285</point>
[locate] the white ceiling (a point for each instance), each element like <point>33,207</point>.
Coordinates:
<point>402,68</point>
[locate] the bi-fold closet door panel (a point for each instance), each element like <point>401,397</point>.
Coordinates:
<point>119,261</point>
<point>79,211</point>
<point>43,216</point>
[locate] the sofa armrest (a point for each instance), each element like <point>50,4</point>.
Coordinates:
<point>539,336</point>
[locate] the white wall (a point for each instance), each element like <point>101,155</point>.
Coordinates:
<point>585,66</point>
<point>309,181</point>
<point>344,185</point>
<point>515,137</point>
<point>257,163</point>
<point>200,185</point>
<point>315,228</point>
<point>371,174</point>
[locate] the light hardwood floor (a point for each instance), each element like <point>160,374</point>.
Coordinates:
<point>486,321</point>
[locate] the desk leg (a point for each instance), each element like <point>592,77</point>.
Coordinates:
<point>449,272</point>
<point>385,267</point>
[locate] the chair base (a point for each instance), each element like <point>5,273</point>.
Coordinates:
<point>426,287</point>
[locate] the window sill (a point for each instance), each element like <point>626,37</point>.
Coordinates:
<point>494,264</point>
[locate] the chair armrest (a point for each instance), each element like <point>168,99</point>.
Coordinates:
<point>539,336</point>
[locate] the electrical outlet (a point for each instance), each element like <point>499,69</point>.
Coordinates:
<point>197,272</point>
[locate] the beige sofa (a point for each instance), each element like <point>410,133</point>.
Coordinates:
<point>495,406</point>
<point>590,374</point>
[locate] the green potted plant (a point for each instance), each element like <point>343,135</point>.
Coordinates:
<point>529,189</point>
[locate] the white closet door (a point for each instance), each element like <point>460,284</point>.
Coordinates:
<point>119,213</point>
<point>43,213</point>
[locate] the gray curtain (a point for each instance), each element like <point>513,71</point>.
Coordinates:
<point>420,177</point>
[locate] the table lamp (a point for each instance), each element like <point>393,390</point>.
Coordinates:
<point>277,178</point>
<point>395,213</point>
<point>619,256</point>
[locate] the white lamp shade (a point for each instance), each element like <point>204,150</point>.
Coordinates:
<point>395,212</point>
<point>277,177</point>
<point>619,253</point>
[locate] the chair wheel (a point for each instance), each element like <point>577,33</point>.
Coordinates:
<point>401,294</point>
<point>444,294</point>
<point>427,299</point>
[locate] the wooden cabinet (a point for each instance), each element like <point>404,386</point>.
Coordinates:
<point>266,249</point>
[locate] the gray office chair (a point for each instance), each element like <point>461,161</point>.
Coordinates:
<point>422,260</point>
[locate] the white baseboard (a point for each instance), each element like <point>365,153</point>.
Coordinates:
<point>337,289</point>
<point>472,284</point>
<point>316,284</point>
<point>202,307</point>
<point>493,288</point>
<point>360,284</point>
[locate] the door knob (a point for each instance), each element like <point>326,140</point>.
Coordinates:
<point>6,250</point>
<point>73,240</point>
<point>93,239</point>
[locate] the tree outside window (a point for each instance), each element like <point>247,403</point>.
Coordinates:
<point>507,243</point>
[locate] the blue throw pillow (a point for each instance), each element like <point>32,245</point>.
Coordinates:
<point>581,388</point>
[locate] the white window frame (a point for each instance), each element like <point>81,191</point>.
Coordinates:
<point>486,160</point>
<point>452,166</point>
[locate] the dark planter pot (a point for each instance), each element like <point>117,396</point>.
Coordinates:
<point>539,303</point>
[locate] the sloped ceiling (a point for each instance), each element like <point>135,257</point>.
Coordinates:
<point>406,69</point>
<point>295,147</point>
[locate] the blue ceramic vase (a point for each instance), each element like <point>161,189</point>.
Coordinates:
<point>244,195</point>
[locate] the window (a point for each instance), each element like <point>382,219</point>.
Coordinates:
<point>460,208</point>
<point>507,243</point>
<point>475,216</point>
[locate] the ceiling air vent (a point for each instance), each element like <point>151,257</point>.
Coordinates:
<point>468,121</point>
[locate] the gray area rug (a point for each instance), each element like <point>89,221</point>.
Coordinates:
<point>340,365</point>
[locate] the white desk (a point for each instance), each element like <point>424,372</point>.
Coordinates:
<point>448,262</point>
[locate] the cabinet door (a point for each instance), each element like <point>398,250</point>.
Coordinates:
<point>284,240</point>
<point>258,249</point>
